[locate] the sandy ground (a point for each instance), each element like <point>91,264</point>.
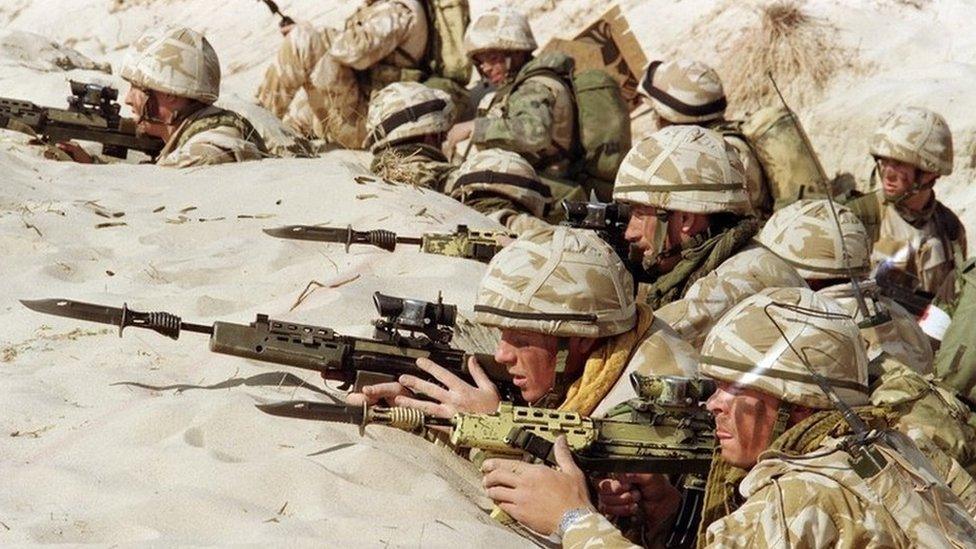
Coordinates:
<point>143,439</point>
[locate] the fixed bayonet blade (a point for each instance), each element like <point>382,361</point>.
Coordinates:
<point>310,232</point>
<point>77,310</point>
<point>320,411</point>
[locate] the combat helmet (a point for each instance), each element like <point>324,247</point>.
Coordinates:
<point>502,29</point>
<point>684,91</point>
<point>916,136</point>
<point>178,61</point>
<point>683,168</point>
<point>804,234</point>
<point>768,340</point>
<point>406,109</point>
<point>500,172</point>
<point>558,281</point>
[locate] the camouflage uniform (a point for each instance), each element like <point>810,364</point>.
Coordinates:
<point>690,92</point>
<point>400,117</point>
<point>182,62</point>
<point>534,114</point>
<point>383,42</point>
<point>691,169</point>
<point>926,246</point>
<point>503,186</point>
<point>806,493</point>
<point>570,283</point>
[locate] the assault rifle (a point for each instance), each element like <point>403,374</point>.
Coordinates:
<point>667,431</point>
<point>900,287</point>
<point>92,115</point>
<point>463,242</point>
<point>407,330</point>
<point>285,20</point>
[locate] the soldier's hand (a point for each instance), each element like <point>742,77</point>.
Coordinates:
<point>617,497</point>
<point>455,396</point>
<point>75,151</point>
<point>457,133</point>
<point>536,495</point>
<point>372,394</point>
<point>651,496</point>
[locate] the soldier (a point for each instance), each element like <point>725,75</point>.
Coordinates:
<point>690,92</point>
<point>533,112</point>
<point>503,186</point>
<point>383,42</point>
<point>405,126</point>
<point>913,233</point>
<point>689,221</point>
<point>808,481</point>
<point>175,79</point>
<point>571,332</point>
<point>805,234</point>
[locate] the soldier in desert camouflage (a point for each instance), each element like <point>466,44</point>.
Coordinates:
<point>503,186</point>
<point>536,118</point>
<point>775,423</point>
<point>383,42</point>
<point>571,332</point>
<point>914,234</point>
<point>175,79</point>
<point>690,92</point>
<point>405,126</point>
<point>691,227</point>
<point>806,235</point>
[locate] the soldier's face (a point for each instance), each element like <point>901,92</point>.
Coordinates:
<point>642,228</point>
<point>897,177</point>
<point>136,100</point>
<point>494,66</point>
<point>744,420</point>
<point>531,360</point>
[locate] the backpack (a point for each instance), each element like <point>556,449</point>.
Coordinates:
<point>602,117</point>
<point>446,23</point>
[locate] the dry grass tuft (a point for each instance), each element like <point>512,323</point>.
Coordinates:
<point>799,50</point>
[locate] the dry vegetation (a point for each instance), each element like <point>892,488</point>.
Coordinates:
<point>801,51</point>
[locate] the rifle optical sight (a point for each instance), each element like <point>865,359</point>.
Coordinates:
<point>413,314</point>
<point>596,215</point>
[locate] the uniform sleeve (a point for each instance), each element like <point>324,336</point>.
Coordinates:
<point>527,124</point>
<point>372,34</point>
<point>789,512</point>
<point>215,146</point>
<point>290,70</point>
<point>592,531</point>
<point>715,293</point>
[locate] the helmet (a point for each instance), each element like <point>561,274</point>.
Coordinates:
<point>499,29</point>
<point>683,91</point>
<point>804,234</point>
<point>500,172</point>
<point>683,168</point>
<point>917,136</point>
<point>406,109</point>
<point>558,281</point>
<point>747,347</point>
<point>179,61</point>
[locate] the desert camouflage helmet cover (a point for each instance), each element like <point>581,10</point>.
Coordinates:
<point>684,91</point>
<point>500,172</point>
<point>917,136</point>
<point>558,281</point>
<point>745,347</point>
<point>504,29</point>
<point>179,61</point>
<point>683,168</point>
<point>406,109</point>
<point>804,234</point>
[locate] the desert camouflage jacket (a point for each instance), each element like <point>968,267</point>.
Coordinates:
<point>212,135</point>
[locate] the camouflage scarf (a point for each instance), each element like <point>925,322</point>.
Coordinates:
<point>918,218</point>
<point>699,259</point>
<point>722,489</point>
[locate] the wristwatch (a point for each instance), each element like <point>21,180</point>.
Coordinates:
<point>569,518</point>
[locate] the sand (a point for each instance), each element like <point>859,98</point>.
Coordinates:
<point>147,440</point>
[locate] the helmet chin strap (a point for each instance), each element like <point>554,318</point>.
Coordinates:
<point>557,393</point>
